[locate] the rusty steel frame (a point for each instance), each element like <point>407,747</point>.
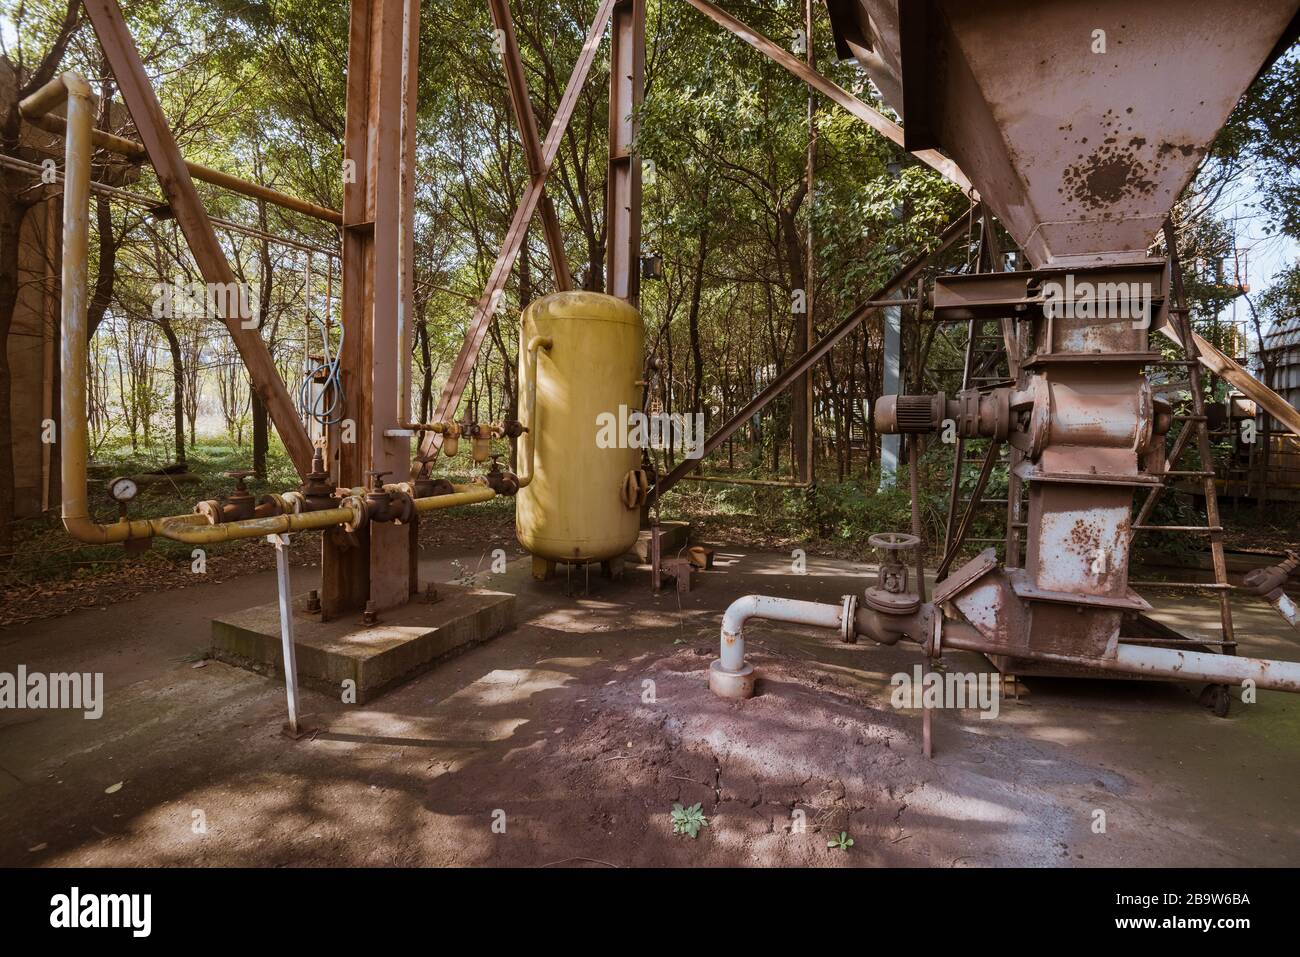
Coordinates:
<point>836,93</point>
<point>791,373</point>
<point>374,568</point>
<point>623,183</point>
<point>192,217</point>
<point>521,102</point>
<point>462,368</point>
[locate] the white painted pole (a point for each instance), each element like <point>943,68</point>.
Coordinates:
<point>890,444</point>
<point>281,543</point>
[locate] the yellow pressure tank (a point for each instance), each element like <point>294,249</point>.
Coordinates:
<point>589,350</point>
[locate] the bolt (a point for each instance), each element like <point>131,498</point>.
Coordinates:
<point>313,601</point>
<point>430,593</point>
<point>369,616</point>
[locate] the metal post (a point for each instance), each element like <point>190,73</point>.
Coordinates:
<point>623,185</point>
<point>281,543</point>
<point>889,444</point>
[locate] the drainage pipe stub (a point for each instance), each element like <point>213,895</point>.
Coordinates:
<point>731,684</point>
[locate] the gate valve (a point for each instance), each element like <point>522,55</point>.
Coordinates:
<point>238,505</point>
<point>499,480</point>
<point>380,504</point>
<point>316,489</point>
<point>890,594</point>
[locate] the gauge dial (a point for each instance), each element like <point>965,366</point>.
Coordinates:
<point>122,489</point>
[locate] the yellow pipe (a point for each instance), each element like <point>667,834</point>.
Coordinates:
<point>76,342</point>
<point>191,529</point>
<point>464,495</point>
<point>530,407</point>
<point>184,530</point>
<point>259,527</point>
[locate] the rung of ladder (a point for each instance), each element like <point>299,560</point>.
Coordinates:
<point>1177,528</point>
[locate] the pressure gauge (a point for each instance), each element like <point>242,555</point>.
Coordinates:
<point>122,489</point>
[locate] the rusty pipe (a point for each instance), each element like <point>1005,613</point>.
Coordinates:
<point>206,534</point>
<point>351,513</point>
<point>1143,660</point>
<point>35,109</point>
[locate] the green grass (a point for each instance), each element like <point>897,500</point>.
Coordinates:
<point>44,552</point>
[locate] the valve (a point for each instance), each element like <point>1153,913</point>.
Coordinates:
<point>500,480</point>
<point>316,490</point>
<point>891,594</point>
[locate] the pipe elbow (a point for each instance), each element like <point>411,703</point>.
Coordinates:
<point>92,533</point>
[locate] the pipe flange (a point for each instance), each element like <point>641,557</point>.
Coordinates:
<point>360,513</point>
<point>731,684</point>
<point>405,508</point>
<point>210,509</point>
<point>293,502</point>
<point>848,620</point>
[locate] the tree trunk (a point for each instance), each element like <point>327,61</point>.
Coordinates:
<point>178,387</point>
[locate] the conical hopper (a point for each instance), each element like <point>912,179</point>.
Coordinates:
<point>1080,141</point>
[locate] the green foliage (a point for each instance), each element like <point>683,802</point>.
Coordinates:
<point>843,841</point>
<point>688,820</point>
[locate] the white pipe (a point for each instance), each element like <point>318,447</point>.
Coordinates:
<point>1135,659</point>
<point>1218,669</point>
<point>732,657</point>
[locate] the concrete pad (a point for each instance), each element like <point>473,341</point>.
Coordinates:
<point>403,643</point>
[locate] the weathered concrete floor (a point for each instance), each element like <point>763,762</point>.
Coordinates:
<point>555,726</point>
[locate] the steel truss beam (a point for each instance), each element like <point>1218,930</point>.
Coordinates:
<point>872,117</point>
<point>177,186</point>
<point>515,235</point>
<point>805,362</point>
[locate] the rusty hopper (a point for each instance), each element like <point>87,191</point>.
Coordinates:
<point>1079,124</point>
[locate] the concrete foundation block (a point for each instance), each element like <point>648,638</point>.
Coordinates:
<point>403,643</point>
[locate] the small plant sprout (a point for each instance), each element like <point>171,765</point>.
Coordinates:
<point>689,820</point>
<point>843,842</point>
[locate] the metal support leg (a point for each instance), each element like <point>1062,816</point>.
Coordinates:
<point>281,543</point>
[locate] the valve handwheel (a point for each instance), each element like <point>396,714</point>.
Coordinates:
<point>893,541</point>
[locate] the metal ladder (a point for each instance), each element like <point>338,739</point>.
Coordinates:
<point>1195,425</point>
